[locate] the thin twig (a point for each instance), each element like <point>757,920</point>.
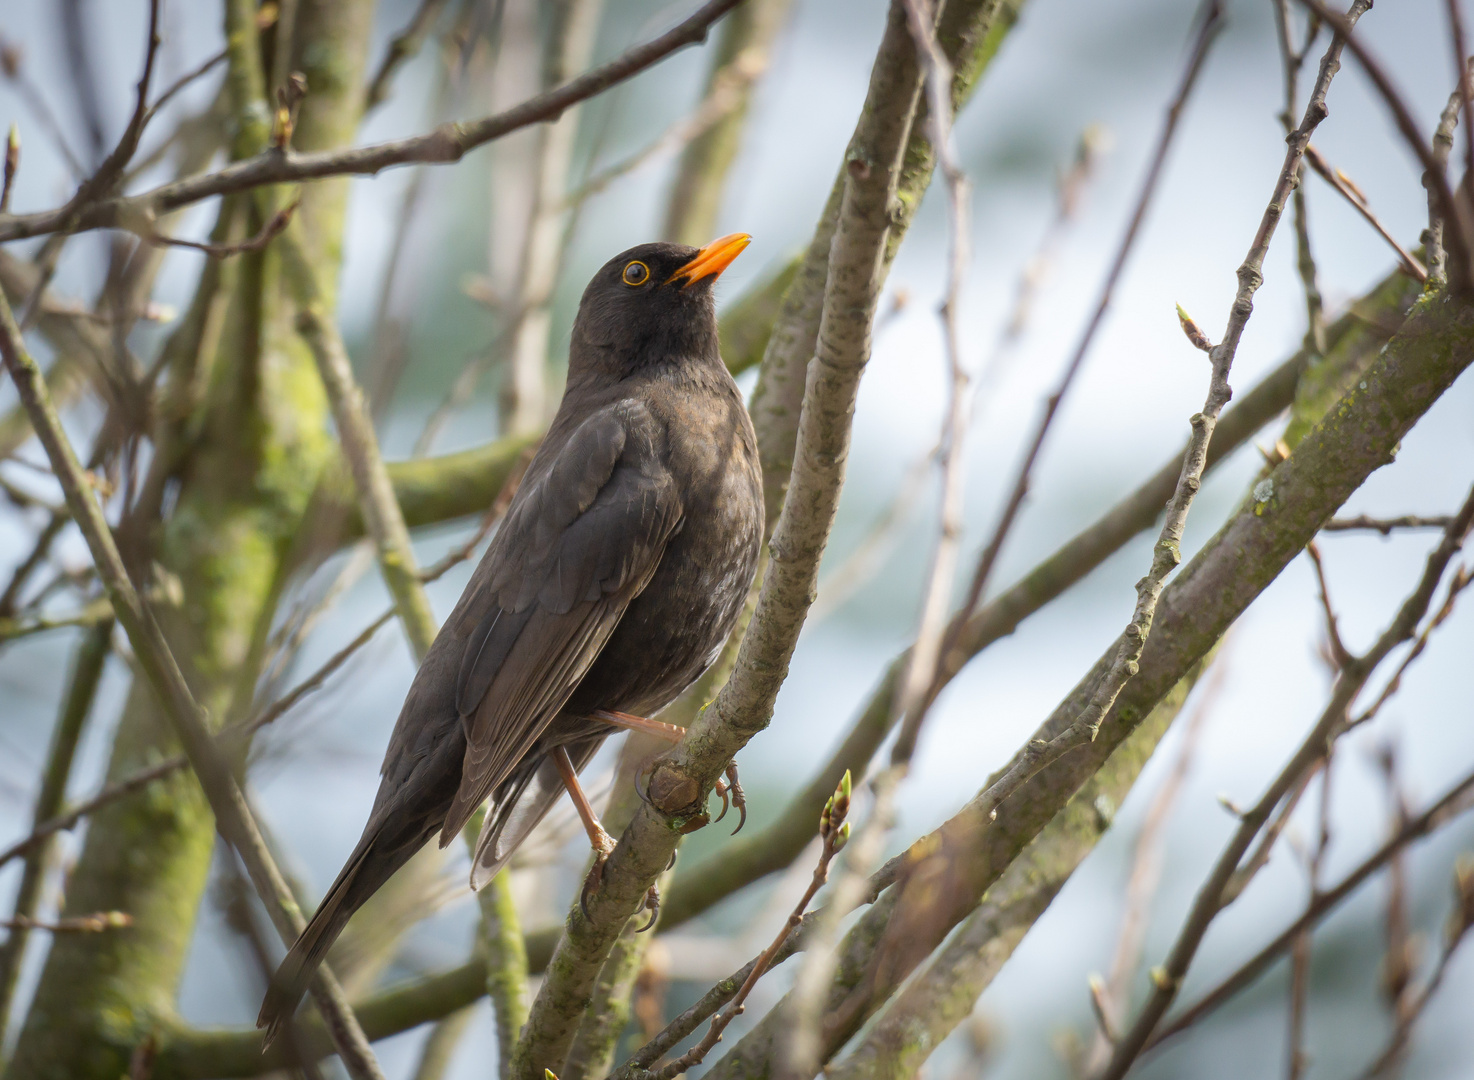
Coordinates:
<point>381,512</point>
<point>76,704</point>
<point>1461,580</point>
<point>1339,655</point>
<point>834,831</point>
<point>1460,242</point>
<point>446,143</point>
<point>1210,21</point>
<point>911,698</point>
<point>1111,996</point>
<point>1456,932</point>
<point>1292,60</point>
<point>1349,682</point>
<point>724,95</point>
<point>1449,805</point>
<point>233,816</point>
<point>1166,552</point>
<point>107,795</point>
<point>1465,88</point>
<point>1386,525</point>
<point>1353,195</point>
<point>1296,1057</point>
<point>403,46</point>
<point>269,232</point>
<point>183,81</point>
<point>1443,144</point>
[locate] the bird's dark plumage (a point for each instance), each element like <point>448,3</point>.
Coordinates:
<point>619,570</point>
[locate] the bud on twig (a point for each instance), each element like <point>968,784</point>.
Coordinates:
<point>1193,331</point>
<point>12,163</point>
<point>836,809</point>
<point>288,97</point>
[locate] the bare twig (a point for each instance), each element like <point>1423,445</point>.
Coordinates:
<point>1460,242</point>
<point>1349,682</point>
<point>911,698</point>
<point>910,703</point>
<point>834,831</point>
<point>1297,1058</point>
<point>1443,144</point>
<point>183,81</point>
<point>1339,655</point>
<point>1111,997</point>
<point>524,389</point>
<point>1416,1003</point>
<point>82,683</point>
<point>1449,805</point>
<point>1209,23</point>
<point>269,232</point>
<point>403,46</point>
<point>1461,580</point>
<point>233,816</point>
<point>109,794</point>
<point>447,143</point>
<point>1386,525</point>
<point>1337,179</point>
<point>1465,89</point>
<point>725,94</point>
<point>10,66</point>
<point>1166,553</point>
<point>1292,60</point>
<point>381,511</point>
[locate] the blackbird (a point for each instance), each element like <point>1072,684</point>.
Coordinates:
<point>618,572</point>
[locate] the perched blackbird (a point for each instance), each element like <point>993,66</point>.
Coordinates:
<point>617,574</point>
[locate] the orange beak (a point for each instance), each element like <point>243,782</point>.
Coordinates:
<point>711,260</point>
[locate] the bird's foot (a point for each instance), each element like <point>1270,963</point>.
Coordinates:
<point>652,905</point>
<point>603,846</point>
<point>739,798</point>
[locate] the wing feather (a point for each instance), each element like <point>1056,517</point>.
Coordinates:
<point>578,545</point>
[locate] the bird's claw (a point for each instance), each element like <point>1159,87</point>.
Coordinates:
<point>720,788</point>
<point>652,905</point>
<point>603,847</point>
<point>739,799</point>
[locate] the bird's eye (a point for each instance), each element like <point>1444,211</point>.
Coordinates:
<point>636,273</point>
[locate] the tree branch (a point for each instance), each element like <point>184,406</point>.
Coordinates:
<point>447,143</point>
<point>233,816</point>
<point>970,850</point>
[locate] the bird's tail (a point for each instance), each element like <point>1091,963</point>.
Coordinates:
<point>357,881</point>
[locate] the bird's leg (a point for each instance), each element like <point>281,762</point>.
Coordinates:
<point>661,730</point>
<point>599,840</point>
<point>672,733</point>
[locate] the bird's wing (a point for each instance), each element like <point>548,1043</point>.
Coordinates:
<point>577,546</point>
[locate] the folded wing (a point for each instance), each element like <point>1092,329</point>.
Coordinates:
<point>578,545</point>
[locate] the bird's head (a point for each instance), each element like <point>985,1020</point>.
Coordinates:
<point>649,305</point>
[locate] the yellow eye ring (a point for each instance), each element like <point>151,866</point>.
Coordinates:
<point>636,273</point>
